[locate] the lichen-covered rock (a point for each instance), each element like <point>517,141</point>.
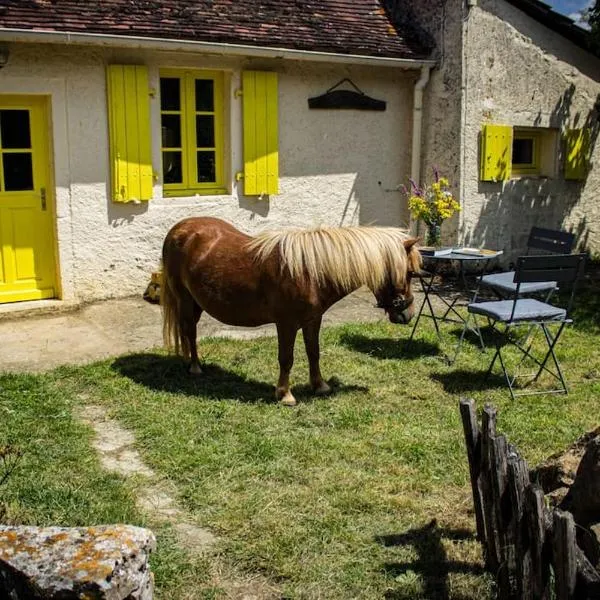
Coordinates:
<point>106,562</point>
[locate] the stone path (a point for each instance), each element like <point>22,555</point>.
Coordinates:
<point>115,447</point>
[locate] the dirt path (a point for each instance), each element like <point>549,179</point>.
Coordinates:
<point>115,327</point>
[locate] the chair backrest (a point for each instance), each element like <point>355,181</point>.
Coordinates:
<point>550,240</point>
<point>562,268</point>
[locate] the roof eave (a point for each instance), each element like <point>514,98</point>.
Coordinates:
<point>152,43</point>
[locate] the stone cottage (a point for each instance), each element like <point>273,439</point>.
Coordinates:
<point>119,118</point>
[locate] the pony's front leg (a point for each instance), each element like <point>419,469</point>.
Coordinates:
<point>310,332</point>
<point>286,337</point>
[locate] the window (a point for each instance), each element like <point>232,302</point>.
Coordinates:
<point>514,152</point>
<point>191,109</point>
<point>526,155</point>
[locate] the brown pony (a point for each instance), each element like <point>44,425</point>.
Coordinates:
<point>288,277</point>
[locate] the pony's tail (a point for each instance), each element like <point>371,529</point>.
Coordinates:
<point>170,303</point>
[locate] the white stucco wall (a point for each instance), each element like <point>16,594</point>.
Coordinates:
<point>518,72</point>
<point>336,167</point>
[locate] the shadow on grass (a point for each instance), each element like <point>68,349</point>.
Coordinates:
<point>469,381</point>
<point>432,564</point>
<point>387,348</point>
<point>170,374</point>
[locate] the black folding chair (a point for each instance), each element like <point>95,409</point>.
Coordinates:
<point>542,241</point>
<point>539,315</point>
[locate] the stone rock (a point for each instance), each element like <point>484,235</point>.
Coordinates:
<point>584,495</point>
<point>560,469</point>
<point>105,562</point>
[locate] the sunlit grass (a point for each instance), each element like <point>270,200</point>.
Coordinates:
<point>332,499</point>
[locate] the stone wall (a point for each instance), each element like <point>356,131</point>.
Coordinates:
<point>520,73</point>
<point>440,25</point>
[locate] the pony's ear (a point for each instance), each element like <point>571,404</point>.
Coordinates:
<point>410,242</point>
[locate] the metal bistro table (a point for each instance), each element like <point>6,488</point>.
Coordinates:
<point>452,294</point>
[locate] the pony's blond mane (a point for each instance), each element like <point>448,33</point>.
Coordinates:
<point>348,257</point>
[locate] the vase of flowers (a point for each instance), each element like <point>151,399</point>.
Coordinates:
<point>432,204</point>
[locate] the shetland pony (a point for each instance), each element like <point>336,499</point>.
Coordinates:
<point>288,277</point>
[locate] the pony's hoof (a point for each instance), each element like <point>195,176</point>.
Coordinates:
<point>195,369</point>
<point>288,400</point>
<point>322,389</point>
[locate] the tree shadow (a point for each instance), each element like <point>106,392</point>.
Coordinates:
<point>469,381</point>
<point>170,374</point>
<point>432,563</point>
<point>387,348</point>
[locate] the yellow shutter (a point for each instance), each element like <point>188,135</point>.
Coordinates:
<point>261,151</point>
<point>577,153</point>
<point>496,152</point>
<point>129,130</point>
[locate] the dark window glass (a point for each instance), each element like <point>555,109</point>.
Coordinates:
<point>522,151</point>
<point>171,131</point>
<point>205,131</point>
<point>18,171</point>
<point>170,96</point>
<point>206,167</point>
<point>172,171</point>
<point>205,95</point>
<point>14,129</point>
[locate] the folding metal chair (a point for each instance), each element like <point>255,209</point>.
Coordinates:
<point>542,241</point>
<point>563,269</point>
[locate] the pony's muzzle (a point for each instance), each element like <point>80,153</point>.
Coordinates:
<point>400,318</point>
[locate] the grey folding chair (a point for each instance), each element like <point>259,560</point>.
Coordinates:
<point>542,241</point>
<point>519,311</point>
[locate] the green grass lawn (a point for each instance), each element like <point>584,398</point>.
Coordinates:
<point>333,499</point>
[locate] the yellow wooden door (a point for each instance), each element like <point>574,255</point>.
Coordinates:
<point>27,264</point>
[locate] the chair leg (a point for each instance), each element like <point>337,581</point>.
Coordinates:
<point>550,354</point>
<point>499,338</point>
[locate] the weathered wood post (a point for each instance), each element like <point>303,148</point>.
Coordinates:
<point>564,555</point>
<point>473,443</point>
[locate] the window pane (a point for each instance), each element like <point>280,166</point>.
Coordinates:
<point>205,95</point>
<point>14,129</point>
<point>18,171</point>
<point>206,167</point>
<point>172,172</point>
<point>171,131</point>
<point>205,131</point>
<point>522,152</point>
<point>170,98</point>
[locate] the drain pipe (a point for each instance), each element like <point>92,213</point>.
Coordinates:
<point>415,167</point>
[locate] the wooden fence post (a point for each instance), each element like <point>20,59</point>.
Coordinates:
<point>518,480</point>
<point>536,528</point>
<point>488,432</point>
<point>473,443</point>
<point>564,556</point>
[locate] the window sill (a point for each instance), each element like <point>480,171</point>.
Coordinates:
<point>216,191</point>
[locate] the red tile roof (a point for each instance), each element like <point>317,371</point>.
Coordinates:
<point>360,27</point>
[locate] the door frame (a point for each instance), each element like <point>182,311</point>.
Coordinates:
<point>44,103</point>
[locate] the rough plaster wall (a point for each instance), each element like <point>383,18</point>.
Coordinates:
<point>520,73</point>
<point>441,24</point>
<point>336,167</point>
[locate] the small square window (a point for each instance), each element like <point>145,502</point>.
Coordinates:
<point>534,152</point>
<point>526,152</point>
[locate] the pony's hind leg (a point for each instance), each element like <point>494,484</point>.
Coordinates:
<point>310,332</point>
<point>190,314</point>
<point>286,336</point>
